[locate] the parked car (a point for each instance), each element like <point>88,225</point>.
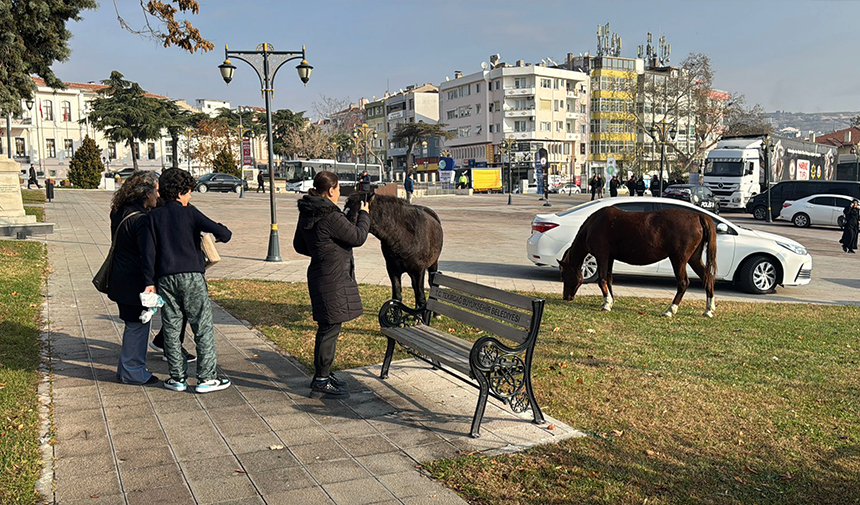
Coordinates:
<point>756,261</point>
<point>568,188</point>
<point>795,190</point>
<point>823,210</point>
<point>124,173</point>
<point>695,194</point>
<point>220,182</point>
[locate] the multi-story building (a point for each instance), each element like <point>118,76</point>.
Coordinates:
<point>375,117</point>
<point>49,134</point>
<point>415,104</point>
<point>537,106</point>
<point>210,106</point>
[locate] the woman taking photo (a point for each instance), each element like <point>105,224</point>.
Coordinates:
<point>326,235</point>
<point>131,271</point>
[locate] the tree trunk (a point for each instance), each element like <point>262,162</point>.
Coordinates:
<point>174,147</point>
<point>408,153</point>
<point>133,145</point>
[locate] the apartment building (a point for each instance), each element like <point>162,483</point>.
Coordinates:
<point>210,106</point>
<point>415,104</point>
<point>375,117</point>
<point>534,105</point>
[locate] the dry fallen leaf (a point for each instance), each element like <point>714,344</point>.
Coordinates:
<point>617,433</point>
<point>276,447</point>
<point>649,452</point>
<point>551,427</point>
<point>94,496</point>
<point>239,470</point>
<point>739,479</point>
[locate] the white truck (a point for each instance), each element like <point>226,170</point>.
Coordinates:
<point>733,170</point>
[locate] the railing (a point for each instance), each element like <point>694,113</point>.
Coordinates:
<point>572,94</point>
<point>571,115</point>
<point>519,91</point>
<point>519,112</point>
<point>572,136</point>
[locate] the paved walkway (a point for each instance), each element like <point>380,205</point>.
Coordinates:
<point>262,441</point>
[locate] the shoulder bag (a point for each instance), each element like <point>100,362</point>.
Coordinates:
<point>207,246</point>
<point>102,278</point>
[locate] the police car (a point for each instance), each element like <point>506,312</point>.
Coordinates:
<point>700,196</point>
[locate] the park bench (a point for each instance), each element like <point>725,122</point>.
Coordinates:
<point>497,368</point>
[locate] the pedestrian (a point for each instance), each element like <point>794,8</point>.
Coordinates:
<point>409,186</point>
<point>593,184</point>
<point>325,234</point>
<point>179,273</point>
<point>850,230</point>
<point>463,181</point>
<point>631,186</point>
<point>32,178</point>
<point>261,182</point>
<point>640,186</point>
<point>364,181</point>
<point>132,270</point>
<point>613,186</point>
<point>655,186</point>
<point>601,183</point>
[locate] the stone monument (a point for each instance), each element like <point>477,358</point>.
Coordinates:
<point>13,220</point>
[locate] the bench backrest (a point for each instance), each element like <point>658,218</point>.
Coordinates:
<point>502,313</point>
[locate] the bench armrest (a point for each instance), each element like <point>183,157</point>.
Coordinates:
<point>507,369</point>
<point>394,314</point>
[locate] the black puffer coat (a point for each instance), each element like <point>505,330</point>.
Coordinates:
<point>131,270</point>
<point>325,234</point>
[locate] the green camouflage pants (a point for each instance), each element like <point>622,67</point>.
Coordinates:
<point>188,294</point>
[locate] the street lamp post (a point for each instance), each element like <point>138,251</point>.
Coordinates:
<point>362,134</point>
<point>505,147</point>
<point>262,60</point>
<point>661,128</point>
<point>767,148</point>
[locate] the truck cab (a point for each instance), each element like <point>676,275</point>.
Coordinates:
<point>733,172</point>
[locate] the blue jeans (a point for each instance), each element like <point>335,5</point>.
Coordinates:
<point>132,357</point>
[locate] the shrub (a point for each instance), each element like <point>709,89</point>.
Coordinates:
<point>225,164</point>
<point>86,167</point>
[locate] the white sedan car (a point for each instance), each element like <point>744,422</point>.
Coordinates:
<point>756,261</point>
<point>823,210</point>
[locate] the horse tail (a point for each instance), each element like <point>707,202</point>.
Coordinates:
<point>709,230</point>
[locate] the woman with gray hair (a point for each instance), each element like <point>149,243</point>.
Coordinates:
<point>132,272</point>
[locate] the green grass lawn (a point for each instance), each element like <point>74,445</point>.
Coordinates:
<point>35,210</point>
<point>758,405</point>
<point>22,273</point>
<point>33,195</point>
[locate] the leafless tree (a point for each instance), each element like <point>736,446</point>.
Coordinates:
<point>160,23</point>
<point>342,115</point>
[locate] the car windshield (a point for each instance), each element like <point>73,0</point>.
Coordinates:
<point>578,207</point>
<point>206,177</point>
<point>724,168</point>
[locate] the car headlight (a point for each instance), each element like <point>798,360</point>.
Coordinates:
<point>796,249</point>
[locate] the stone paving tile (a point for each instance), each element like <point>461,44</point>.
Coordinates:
<point>281,480</point>
<point>161,495</point>
<point>355,492</point>
<point>306,496</point>
<point>337,471</point>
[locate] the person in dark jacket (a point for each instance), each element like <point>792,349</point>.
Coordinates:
<point>640,187</point>
<point>364,181</point>
<point>325,234</point>
<point>601,186</point>
<point>613,186</point>
<point>409,186</point>
<point>593,184</point>
<point>261,182</point>
<point>852,223</point>
<point>631,186</point>
<point>132,270</point>
<point>179,270</point>
<point>32,178</point>
<point>655,186</point>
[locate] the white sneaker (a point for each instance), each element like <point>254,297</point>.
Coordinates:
<point>210,385</point>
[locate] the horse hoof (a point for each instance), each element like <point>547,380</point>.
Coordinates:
<point>606,308</point>
<point>708,313</point>
<point>668,313</point>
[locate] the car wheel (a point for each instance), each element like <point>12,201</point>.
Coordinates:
<point>237,188</point>
<point>760,213</point>
<point>202,188</point>
<point>589,269</point>
<point>840,222</point>
<point>800,220</point>
<point>758,275</point>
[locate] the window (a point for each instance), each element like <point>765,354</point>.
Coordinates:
<point>464,131</point>
<point>559,126</point>
<point>545,104</point>
<point>557,83</point>
<point>582,108</point>
<point>477,129</point>
<point>150,150</point>
<point>582,148</point>
<point>545,126</point>
<point>635,206</point>
<point>546,83</point>
<point>498,128</point>
<point>50,148</point>
<point>68,148</point>
<point>556,105</point>
<point>567,149</point>
<point>477,108</point>
<point>520,82</point>
<point>452,114</point>
<point>582,129</point>
<point>47,110</point>
<point>20,148</point>
<point>112,150</point>
<point>492,128</point>
<point>411,103</point>
<point>520,126</point>
<point>478,88</point>
<point>67,111</point>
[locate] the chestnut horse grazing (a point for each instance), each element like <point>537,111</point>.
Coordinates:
<point>642,238</point>
<point>410,235</point>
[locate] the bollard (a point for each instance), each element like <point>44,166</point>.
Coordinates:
<point>49,189</point>
<point>242,191</point>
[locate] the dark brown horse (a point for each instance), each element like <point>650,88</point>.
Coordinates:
<point>642,238</point>
<point>410,235</point>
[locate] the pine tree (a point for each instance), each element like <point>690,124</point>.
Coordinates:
<point>86,168</point>
<point>225,164</point>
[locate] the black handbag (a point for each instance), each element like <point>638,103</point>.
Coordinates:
<point>102,278</point>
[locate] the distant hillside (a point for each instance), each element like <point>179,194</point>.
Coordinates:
<point>804,122</point>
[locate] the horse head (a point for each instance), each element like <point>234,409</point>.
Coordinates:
<point>569,278</point>
<point>353,204</point>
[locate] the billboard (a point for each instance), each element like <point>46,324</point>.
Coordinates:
<point>246,152</point>
<point>797,160</point>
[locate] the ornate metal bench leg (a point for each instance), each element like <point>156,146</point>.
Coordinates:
<point>482,405</point>
<point>534,405</point>
<point>386,363</point>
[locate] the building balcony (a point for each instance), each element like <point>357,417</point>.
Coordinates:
<point>572,94</point>
<point>397,151</point>
<point>519,91</point>
<point>19,122</point>
<point>520,113</point>
<point>572,136</point>
<point>398,114</point>
<point>521,135</point>
<point>571,115</point>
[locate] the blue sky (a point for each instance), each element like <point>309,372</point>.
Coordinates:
<point>785,55</point>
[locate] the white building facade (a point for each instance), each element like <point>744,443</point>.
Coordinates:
<point>535,106</point>
<point>415,104</point>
